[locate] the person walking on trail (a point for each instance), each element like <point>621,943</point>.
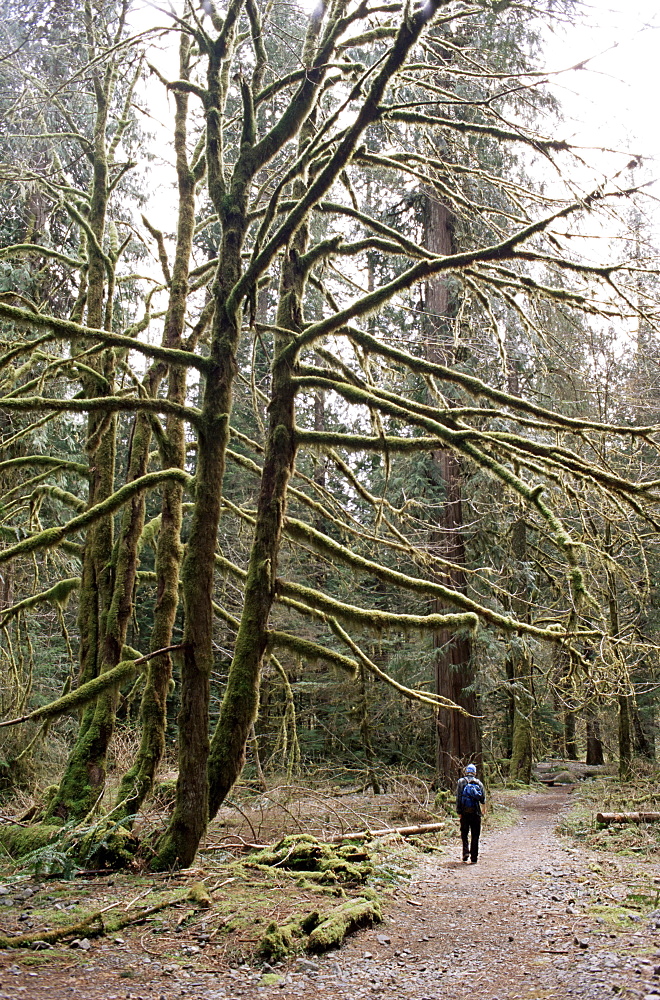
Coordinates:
<point>470,794</point>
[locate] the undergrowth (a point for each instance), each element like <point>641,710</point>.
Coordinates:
<point>601,795</point>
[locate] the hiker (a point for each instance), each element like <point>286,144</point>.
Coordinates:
<point>470,794</point>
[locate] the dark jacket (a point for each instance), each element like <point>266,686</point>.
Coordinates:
<point>462,782</point>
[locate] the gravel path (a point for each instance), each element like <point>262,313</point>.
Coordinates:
<point>518,925</point>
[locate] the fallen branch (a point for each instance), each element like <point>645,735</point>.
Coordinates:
<point>631,817</point>
<point>396,831</point>
<point>87,926</point>
<point>400,831</point>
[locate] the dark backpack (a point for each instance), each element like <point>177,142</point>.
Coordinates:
<point>471,796</point>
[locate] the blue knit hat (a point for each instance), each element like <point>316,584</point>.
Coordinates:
<point>470,769</point>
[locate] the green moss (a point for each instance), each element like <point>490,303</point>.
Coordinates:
<point>343,920</point>
<point>280,940</point>
<point>277,942</point>
<point>45,957</point>
<point>199,895</point>
<point>19,841</point>
<point>315,860</point>
<point>108,847</point>
<point>165,792</point>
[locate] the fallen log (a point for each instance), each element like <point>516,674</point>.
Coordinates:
<point>631,817</point>
<point>94,925</point>
<point>399,831</point>
<point>338,838</point>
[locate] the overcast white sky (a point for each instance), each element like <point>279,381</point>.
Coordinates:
<point>614,100</point>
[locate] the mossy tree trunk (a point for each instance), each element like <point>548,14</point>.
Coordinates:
<point>521,749</point>
<point>230,200</point>
<point>624,700</point>
<point>594,754</point>
<point>642,735</point>
<point>570,743</point>
<point>520,665</point>
<point>84,776</point>
<point>138,781</point>
<point>625,739</point>
<point>241,698</point>
<point>365,731</point>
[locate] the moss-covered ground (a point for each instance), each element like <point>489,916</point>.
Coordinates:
<point>239,892</point>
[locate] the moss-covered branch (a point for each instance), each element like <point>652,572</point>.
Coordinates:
<point>125,670</point>
<point>108,404</point>
<point>97,923</point>
<point>51,537</point>
<point>438,701</point>
<point>50,461</point>
<point>310,601</point>
<point>477,387</point>
<point>64,329</point>
<point>299,531</point>
<point>43,251</point>
<point>312,651</point>
<point>59,593</point>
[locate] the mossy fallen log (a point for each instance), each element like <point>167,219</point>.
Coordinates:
<point>97,924</point>
<point>628,817</point>
<point>18,840</point>
<point>318,932</point>
<point>304,853</point>
<point>349,916</point>
<point>280,940</point>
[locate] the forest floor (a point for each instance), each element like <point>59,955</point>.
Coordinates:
<point>535,918</point>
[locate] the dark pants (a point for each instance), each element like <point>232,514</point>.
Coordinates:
<point>470,824</point>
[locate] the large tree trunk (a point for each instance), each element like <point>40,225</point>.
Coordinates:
<point>458,736</point>
<point>570,744</point>
<point>522,663</point>
<point>179,843</point>
<point>83,780</point>
<point>594,742</point>
<point>241,699</point>
<point>642,736</point>
<point>625,741</point>
<point>521,750</point>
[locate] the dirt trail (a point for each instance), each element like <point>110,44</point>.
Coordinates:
<point>518,925</point>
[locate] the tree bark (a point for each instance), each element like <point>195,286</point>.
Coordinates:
<point>625,741</point>
<point>83,780</point>
<point>570,745</point>
<point>642,738</point>
<point>594,743</point>
<point>458,737</point>
<point>521,751</point>
<point>138,781</point>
